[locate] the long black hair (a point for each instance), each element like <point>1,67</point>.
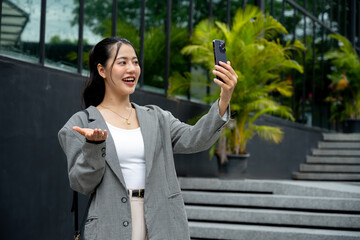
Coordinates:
<point>94,91</point>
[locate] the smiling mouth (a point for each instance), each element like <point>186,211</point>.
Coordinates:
<point>129,79</point>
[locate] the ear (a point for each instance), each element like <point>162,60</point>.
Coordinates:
<point>101,70</point>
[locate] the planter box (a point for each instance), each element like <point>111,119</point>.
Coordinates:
<point>235,168</point>
<point>351,126</point>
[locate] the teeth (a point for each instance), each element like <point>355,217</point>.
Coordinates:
<point>129,79</point>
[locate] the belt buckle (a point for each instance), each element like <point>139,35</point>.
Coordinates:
<point>136,193</point>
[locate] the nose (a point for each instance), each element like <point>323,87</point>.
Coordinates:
<point>131,67</point>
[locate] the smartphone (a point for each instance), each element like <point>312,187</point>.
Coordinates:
<point>219,53</point>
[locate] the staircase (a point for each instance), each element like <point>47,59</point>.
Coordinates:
<point>271,210</point>
<point>336,159</point>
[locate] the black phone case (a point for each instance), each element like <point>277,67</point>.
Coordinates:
<point>219,53</point>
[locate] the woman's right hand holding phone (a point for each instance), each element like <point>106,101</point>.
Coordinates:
<point>229,77</point>
<point>92,134</point>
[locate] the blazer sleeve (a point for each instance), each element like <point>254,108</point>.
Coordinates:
<point>85,161</point>
<point>190,139</point>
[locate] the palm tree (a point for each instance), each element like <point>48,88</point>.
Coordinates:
<point>259,59</point>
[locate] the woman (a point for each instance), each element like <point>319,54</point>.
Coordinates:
<point>122,153</point>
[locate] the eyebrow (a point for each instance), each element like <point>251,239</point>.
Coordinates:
<point>125,58</point>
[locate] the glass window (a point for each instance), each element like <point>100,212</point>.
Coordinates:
<point>128,21</point>
<point>61,34</point>
<point>198,93</point>
<point>20,29</point>
<point>154,46</point>
<point>179,63</point>
<point>179,38</point>
<point>97,25</point>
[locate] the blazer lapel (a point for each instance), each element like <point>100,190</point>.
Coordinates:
<point>149,129</point>
<point>97,121</point>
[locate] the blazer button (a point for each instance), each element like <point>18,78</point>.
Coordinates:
<point>124,199</point>
<point>103,155</point>
<point>125,223</point>
<point>103,149</point>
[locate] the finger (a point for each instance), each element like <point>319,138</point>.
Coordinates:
<point>94,134</point>
<point>232,76</point>
<point>221,75</point>
<point>225,75</point>
<point>229,63</point>
<point>105,134</point>
<point>97,133</point>
<point>219,82</point>
<point>224,71</point>
<point>90,135</point>
<point>100,135</point>
<point>228,67</point>
<point>79,130</point>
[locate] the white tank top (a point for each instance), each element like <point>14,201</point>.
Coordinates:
<point>131,153</point>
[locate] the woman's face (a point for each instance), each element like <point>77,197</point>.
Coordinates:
<point>124,75</point>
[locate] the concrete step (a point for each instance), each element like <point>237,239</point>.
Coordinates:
<point>270,201</point>
<point>333,160</point>
<point>214,184</point>
<point>336,152</point>
<point>273,217</point>
<point>277,187</point>
<point>327,176</point>
<point>330,168</point>
<point>341,137</point>
<point>224,231</point>
<point>339,145</point>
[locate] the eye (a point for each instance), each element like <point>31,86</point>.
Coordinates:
<point>136,62</point>
<point>122,62</point>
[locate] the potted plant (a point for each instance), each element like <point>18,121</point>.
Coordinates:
<point>345,84</point>
<point>259,59</point>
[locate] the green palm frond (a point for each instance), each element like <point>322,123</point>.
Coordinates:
<point>269,134</point>
<point>180,84</point>
<point>204,31</point>
<point>293,46</point>
<point>259,58</point>
<point>224,29</point>
<point>200,54</point>
<point>242,18</point>
<point>285,88</point>
<point>346,46</point>
<point>346,70</point>
<point>277,110</point>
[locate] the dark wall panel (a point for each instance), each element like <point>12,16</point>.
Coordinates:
<point>35,197</point>
<point>278,161</point>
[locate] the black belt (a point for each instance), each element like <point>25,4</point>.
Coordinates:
<point>137,193</point>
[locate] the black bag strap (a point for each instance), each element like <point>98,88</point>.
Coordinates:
<point>75,209</point>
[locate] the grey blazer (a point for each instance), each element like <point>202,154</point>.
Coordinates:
<point>95,168</point>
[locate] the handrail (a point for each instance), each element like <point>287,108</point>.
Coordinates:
<point>312,17</point>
